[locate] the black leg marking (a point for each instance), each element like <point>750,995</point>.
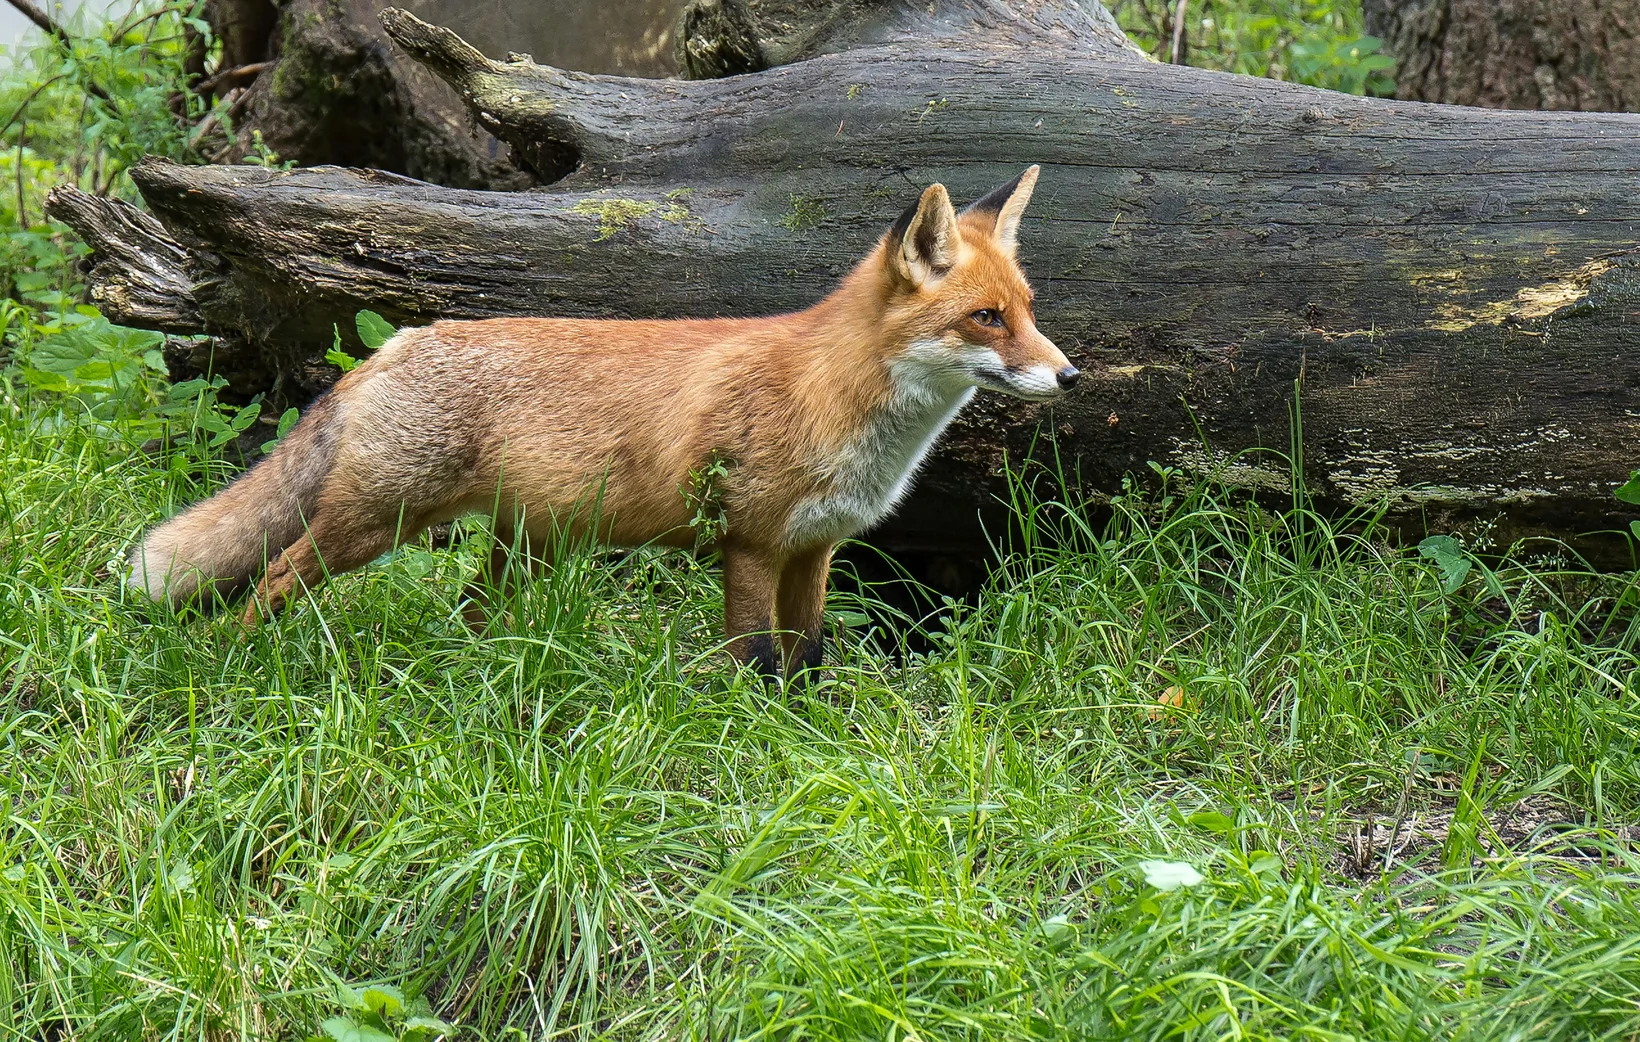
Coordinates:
<point>762,654</point>
<point>814,649</point>
<point>806,665</point>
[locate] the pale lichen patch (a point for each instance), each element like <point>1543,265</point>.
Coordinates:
<point>1543,301</point>
<point>1528,304</point>
<point>1230,470</point>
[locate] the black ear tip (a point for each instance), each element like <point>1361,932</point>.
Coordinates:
<point>903,222</point>
<point>993,201</point>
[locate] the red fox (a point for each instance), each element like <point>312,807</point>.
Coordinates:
<point>821,417</point>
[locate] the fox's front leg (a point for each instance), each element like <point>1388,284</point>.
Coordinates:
<point>749,577</point>
<point>802,607</point>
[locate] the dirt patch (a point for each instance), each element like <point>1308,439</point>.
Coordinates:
<point>1372,843</point>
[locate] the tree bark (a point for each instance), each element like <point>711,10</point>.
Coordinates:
<point>329,88</point>
<point>1452,290</point>
<point>1579,55</point>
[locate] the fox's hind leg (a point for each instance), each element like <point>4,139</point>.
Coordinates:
<point>511,562</point>
<point>337,541</point>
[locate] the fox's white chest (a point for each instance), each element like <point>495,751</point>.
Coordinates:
<point>873,471</point>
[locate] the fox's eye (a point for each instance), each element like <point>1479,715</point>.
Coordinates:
<point>987,317</point>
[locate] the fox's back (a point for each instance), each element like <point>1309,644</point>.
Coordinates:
<point>549,414</point>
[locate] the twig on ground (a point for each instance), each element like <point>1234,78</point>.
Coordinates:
<point>1400,809</point>
<point>233,75</point>
<point>1176,54</point>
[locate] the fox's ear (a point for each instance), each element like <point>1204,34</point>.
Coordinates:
<point>1005,206</point>
<point>923,243</point>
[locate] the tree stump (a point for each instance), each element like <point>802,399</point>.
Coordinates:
<point>1578,55</point>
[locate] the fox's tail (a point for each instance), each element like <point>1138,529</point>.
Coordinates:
<point>218,546</point>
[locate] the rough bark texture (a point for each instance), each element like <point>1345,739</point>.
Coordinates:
<point>717,38</point>
<point>337,92</point>
<point>1453,289</point>
<point>245,29</point>
<point>1514,54</point>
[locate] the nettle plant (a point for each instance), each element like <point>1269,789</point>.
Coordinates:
<point>116,377</point>
<point>84,108</point>
<point>380,1013</point>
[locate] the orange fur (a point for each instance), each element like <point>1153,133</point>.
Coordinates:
<point>549,423</point>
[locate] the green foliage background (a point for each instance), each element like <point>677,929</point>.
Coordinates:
<point>1318,42</point>
<point>59,131</point>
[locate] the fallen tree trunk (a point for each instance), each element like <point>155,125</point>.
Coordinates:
<point>1454,290</point>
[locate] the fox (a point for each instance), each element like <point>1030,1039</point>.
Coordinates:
<point>820,419</point>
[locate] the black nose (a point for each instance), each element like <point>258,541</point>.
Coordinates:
<point>1068,376</point>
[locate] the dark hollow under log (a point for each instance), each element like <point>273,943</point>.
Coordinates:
<point>1454,290</point>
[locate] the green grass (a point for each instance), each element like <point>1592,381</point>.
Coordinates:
<point>589,826</point>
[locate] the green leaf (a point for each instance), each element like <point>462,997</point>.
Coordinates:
<point>1170,875</point>
<point>1628,491</point>
<point>186,391</point>
<point>384,1000</point>
<point>1213,821</point>
<point>336,356</point>
<point>45,381</point>
<point>62,354</point>
<point>348,998</point>
<point>246,416</point>
<point>1264,863</point>
<point>1058,932</point>
<point>341,360</point>
<point>344,1030</point>
<point>287,420</point>
<point>432,1025</point>
<point>1634,526</point>
<point>419,564</point>
<point>1449,558</point>
<point>108,373</point>
<point>374,330</point>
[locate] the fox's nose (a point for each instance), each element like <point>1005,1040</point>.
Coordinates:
<point>1067,377</point>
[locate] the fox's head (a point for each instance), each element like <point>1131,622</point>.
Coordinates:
<point>959,302</point>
